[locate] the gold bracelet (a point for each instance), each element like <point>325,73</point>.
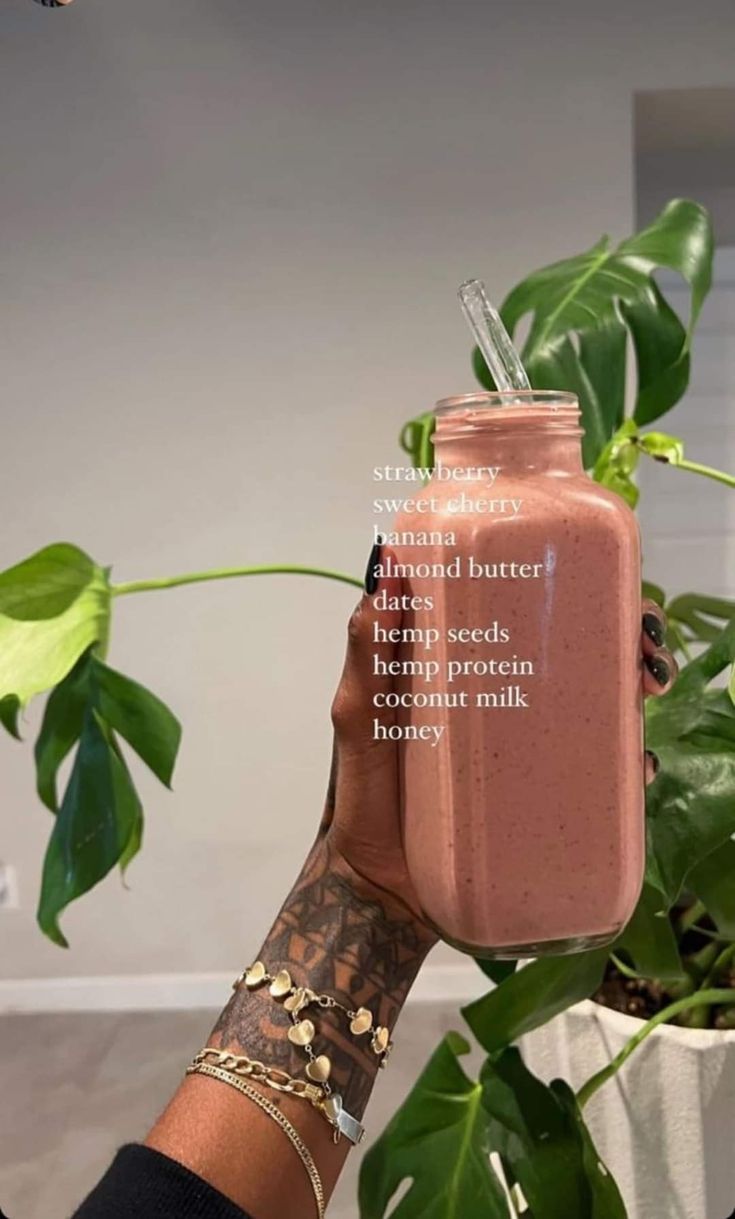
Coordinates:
<point>227,1077</point>
<point>319,1096</point>
<point>302,1033</point>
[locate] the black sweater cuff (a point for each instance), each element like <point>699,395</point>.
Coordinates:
<point>144,1184</point>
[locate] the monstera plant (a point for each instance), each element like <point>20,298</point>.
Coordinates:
<point>507,1144</point>
<point>470,1148</point>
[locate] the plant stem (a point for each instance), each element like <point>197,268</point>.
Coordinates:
<point>624,969</point>
<point>695,467</point>
<point>690,916</point>
<point>699,998</point>
<point>722,961</point>
<point>229,573</point>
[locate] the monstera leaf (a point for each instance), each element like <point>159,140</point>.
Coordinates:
<point>543,1143</point>
<point>54,625</point>
<point>533,995</point>
<point>438,1141</point>
<point>582,310</point>
<point>100,820</point>
<point>53,606</point>
<point>442,1138</point>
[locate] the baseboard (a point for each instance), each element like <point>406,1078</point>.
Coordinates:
<point>452,983</point>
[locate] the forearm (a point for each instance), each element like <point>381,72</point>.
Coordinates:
<point>339,937</point>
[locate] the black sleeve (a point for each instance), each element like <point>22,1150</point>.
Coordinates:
<point>144,1184</point>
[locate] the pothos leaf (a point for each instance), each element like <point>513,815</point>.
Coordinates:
<point>713,882</point>
<point>691,803</point>
<point>649,938</point>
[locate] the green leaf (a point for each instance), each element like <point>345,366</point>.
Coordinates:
<point>53,606</point>
<point>438,1141</point>
<point>416,440</point>
<point>662,446</point>
<point>61,728</point>
<point>544,1144</point>
<point>658,341</point>
<point>496,971</point>
<point>94,824</point>
<point>481,370</point>
<point>695,611</point>
<point>606,1202</point>
<point>46,584</point>
<point>533,995</point>
<point>649,938</point>
<point>618,461</point>
<point>602,356</point>
<point>654,592</point>
<point>681,239</point>
<point>713,882</point>
<point>691,803</point>
<point>582,307</point>
<point>132,846</point>
<point>142,719</point>
<point>100,822</point>
<point>9,711</point>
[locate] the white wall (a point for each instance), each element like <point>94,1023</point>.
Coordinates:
<point>688,522</point>
<point>231,238</point>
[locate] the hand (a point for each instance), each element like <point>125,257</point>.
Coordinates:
<point>362,818</point>
<point>362,815</point>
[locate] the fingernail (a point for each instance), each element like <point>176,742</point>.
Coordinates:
<point>658,668</point>
<point>654,628</point>
<point>371,579</point>
<point>655,761</point>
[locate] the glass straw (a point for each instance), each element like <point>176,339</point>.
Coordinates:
<point>492,338</point>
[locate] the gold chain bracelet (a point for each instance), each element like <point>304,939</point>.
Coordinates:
<point>241,1085</point>
<point>327,1103</point>
<point>273,1077</point>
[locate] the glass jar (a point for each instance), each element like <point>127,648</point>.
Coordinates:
<point>522,764</point>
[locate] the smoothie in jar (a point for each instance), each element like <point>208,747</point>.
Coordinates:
<point>522,758</point>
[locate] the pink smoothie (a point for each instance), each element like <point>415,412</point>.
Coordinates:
<point>523,802</point>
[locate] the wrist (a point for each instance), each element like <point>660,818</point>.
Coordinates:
<point>340,936</point>
<point>378,903</point>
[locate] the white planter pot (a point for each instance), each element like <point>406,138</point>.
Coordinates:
<point>665,1125</point>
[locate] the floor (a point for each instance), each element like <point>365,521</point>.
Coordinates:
<point>74,1087</point>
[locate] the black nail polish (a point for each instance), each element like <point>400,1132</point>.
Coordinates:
<point>371,579</point>
<point>654,628</point>
<point>658,668</point>
<point>655,760</point>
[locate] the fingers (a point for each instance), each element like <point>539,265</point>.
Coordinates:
<point>659,667</point>
<point>372,642</point>
<point>653,635</point>
<point>365,786</point>
<point>652,766</point>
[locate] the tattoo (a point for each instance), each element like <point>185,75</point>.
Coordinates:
<point>330,938</point>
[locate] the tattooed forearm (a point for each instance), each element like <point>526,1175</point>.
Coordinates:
<point>362,948</point>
